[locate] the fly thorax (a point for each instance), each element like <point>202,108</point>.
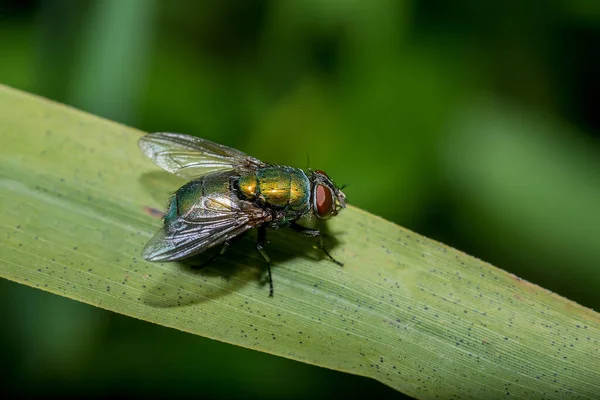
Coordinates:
<point>283,187</point>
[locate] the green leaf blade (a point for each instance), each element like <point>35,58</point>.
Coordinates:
<point>77,200</point>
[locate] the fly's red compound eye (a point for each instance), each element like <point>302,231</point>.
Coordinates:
<point>323,201</point>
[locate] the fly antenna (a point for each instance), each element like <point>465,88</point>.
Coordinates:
<point>308,162</point>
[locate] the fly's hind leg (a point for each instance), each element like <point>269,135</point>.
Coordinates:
<point>320,245</point>
<point>213,258</point>
<point>260,244</point>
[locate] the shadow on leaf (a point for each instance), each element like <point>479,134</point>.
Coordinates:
<point>240,266</point>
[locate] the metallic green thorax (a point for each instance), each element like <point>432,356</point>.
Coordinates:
<point>281,188</point>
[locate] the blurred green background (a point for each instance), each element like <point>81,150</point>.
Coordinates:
<point>474,123</point>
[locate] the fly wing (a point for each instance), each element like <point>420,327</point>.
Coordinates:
<point>213,220</point>
<point>191,157</point>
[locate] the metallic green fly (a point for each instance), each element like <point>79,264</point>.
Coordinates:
<point>230,193</point>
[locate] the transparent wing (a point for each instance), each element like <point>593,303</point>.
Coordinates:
<point>191,157</point>
<point>213,221</point>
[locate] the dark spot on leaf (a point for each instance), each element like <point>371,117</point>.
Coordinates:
<point>153,212</point>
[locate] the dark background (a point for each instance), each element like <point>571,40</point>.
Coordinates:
<point>474,123</point>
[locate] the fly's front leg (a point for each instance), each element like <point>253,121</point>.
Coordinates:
<point>320,245</point>
<point>262,238</point>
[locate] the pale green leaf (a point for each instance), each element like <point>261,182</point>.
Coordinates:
<point>76,207</point>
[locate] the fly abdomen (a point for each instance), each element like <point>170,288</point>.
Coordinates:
<point>203,195</point>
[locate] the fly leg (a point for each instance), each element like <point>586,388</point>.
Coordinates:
<point>213,258</point>
<point>320,245</point>
<point>260,244</point>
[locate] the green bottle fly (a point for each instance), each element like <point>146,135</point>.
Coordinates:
<point>230,193</point>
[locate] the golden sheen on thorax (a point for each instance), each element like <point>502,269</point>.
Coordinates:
<point>277,187</point>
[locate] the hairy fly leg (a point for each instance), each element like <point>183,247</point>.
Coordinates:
<point>320,245</point>
<point>260,244</point>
